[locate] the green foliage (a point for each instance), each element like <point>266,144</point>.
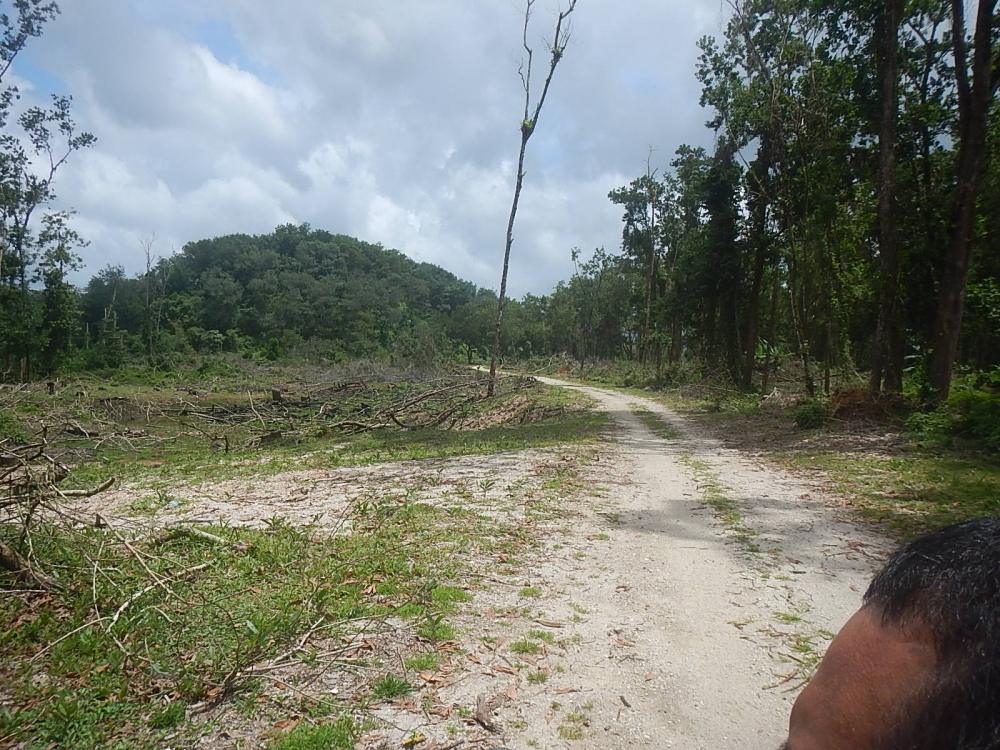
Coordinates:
<point>434,628</point>
<point>38,325</point>
<point>11,429</point>
<point>971,414</point>
<point>294,293</point>
<point>812,413</point>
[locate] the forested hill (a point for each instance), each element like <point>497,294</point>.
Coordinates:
<point>273,292</point>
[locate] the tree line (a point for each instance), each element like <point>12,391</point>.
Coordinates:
<point>844,220</point>
<point>847,213</point>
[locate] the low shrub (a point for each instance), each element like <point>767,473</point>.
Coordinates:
<point>812,413</point>
<point>971,414</point>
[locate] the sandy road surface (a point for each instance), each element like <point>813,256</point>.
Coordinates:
<point>689,637</point>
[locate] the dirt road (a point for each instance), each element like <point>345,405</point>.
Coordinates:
<point>677,595</point>
<point>683,630</point>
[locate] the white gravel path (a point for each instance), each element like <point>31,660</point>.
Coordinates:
<point>689,637</point>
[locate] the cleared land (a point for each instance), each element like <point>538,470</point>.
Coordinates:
<point>559,567</point>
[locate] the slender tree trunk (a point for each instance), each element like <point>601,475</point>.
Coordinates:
<point>650,269</point>
<point>771,325</point>
<point>650,277</point>
<point>887,353</point>
<point>676,342</point>
<point>559,41</point>
<point>798,321</point>
<point>498,328</point>
<point>973,104</point>
<point>758,219</point>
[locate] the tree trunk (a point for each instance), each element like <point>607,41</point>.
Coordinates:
<point>498,328</point>
<point>758,219</point>
<point>973,104</point>
<point>887,352</point>
<point>771,325</point>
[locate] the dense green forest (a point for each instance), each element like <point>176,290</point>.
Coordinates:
<point>844,222</point>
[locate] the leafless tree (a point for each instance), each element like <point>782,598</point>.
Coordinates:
<point>556,49</point>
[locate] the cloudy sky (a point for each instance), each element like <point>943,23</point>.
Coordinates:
<point>394,121</point>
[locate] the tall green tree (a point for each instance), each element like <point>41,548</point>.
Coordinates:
<point>30,156</point>
<point>976,82</point>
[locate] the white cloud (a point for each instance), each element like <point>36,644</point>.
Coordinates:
<point>397,123</point>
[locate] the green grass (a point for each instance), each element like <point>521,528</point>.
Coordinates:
<point>655,423</point>
<point>427,661</point>
<point>525,646</point>
<point>339,735</point>
<point>389,687</point>
<point>446,597</point>
<point>542,635</point>
<point>726,510</point>
<point>910,493</point>
<point>257,596</point>
<point>530,592</point>
<point>434,629</point>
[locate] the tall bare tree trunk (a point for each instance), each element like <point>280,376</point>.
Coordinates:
<point>559,41</point>
<point>974,101</point>
<point>887,353</point>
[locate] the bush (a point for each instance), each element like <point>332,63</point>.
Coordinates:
<point>811,413</point>
<point>970,413</point>
<point>977,416</point>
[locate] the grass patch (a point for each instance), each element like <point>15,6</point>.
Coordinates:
<point>543,636</point>
<point>525,646</point>
<point>655,423</point>
<point>911,493</point>
<point>530,592</point>
<point>340,735</point>
<point>446,597</point>
<point>435,629</point>
<point>389,687</point>
<point>726,510</point>
<point>427,661</point>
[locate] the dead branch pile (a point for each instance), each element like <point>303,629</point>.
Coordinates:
<point>291,413</point>
<point>29,491</point>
